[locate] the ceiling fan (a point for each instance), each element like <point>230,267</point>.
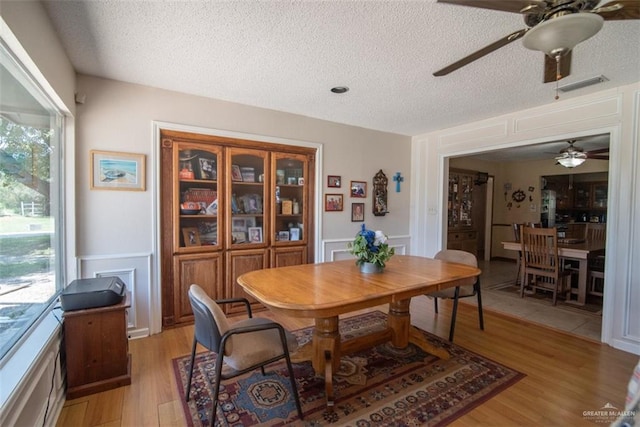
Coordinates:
<point>572,156</point>
<point>554,27</point>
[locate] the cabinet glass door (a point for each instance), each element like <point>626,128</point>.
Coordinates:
<point>289,198</point>
<point>247,226</point>
<point>198,172</point>
<point>600,191</point>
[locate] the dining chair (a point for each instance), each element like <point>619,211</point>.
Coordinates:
<point>243,346</point>
<point>541,263</point>
<point>596,232</point>
<point>516,234</point>
<point>461,257</point>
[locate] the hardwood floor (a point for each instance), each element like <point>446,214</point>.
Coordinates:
<point>565,375</point>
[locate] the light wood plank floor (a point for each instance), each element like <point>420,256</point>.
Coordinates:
<point>566,375</point>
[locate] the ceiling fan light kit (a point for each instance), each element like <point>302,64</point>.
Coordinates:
<point>559,35</point>
<point>571,161</point>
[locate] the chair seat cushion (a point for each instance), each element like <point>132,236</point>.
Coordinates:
<point>254,347</point>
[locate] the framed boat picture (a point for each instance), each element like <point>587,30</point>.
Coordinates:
<point>110,170</point>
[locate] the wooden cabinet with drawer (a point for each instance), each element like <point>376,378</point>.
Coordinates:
<point>463,240</point>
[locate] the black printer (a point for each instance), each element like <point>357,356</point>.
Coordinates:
<point>91,293</point>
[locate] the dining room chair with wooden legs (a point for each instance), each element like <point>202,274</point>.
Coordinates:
<point>243,346</point>
<point>541,263</point>
<point>596,232</point>
<point>460,257</point>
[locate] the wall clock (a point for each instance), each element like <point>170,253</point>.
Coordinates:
<point>518,196</point>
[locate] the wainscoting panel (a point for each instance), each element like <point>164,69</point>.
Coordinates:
<point>135,272</point>
<point>336,249</point>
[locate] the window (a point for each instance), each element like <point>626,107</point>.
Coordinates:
<point>31,273</point>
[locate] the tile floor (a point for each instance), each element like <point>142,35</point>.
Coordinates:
<point>569,319</point>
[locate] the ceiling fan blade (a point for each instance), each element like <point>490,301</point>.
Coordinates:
<point>515,6</point>
<point>480,53</point>
<point>598,157</point>
<point>550,69</point>
<point>599,151</point>
<point>630,10</point>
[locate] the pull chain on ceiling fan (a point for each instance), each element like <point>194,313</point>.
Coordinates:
<point>555,28</point>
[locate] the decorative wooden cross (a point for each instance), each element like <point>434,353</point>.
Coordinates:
<point>398,178</point>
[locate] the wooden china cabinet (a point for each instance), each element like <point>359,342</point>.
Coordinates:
<point>229,206</point>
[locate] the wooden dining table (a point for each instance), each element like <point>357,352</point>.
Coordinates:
<point>324,291</point>
<point>581,252</point>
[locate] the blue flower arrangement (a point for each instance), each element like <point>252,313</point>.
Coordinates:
<point>371,246</point>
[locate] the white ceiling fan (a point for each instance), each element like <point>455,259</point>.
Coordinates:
<point>554,27</point>
<point>572,156</point>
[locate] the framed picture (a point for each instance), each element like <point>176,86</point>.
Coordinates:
<point>358,189</point>
<point>238,237</point>
<point>248,174</point>
<point>294,234</point>
<point>238,224</point>
<point>191,236</point>
<point>236,174</point>
<point>255,234</point>
<point>334,181</point>
<point>283,235</point>
<point>208,169</point>
<point>117,171</point>
<point>333,202</point>
<point>357,212</point>
<point>301,181</point>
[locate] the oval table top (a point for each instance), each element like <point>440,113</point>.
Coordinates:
<point>333,288</point>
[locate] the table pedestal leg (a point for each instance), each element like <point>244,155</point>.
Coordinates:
<point>399,321</point>
<point>326,353</point>
<point>326,338</point>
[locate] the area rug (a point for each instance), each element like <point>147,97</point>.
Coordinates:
<point>381,386</point>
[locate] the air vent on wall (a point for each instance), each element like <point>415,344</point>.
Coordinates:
<point>583,83</point>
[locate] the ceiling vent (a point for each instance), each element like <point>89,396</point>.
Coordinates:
<point>583,83</point>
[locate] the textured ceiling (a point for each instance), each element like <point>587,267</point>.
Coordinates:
<point>286,55</point>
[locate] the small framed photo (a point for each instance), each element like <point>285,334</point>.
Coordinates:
<point>117,171</point>
<point>236,174</point>
<point>358,189</point>
<point>333,202</point>
<point>238,237</point>
<point>357,212</point>
<point>294,234</point>
<point>191,236</point>
<point>238,224</point>
<point>248,174</point>
<point>334,181</point>
<point>301,181</point>
<point>208,169</point>
<point>283,235</point>
<point>255,234</point>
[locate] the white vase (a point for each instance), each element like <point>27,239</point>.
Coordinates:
<point>369,267</point>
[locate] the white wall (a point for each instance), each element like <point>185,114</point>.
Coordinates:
<point>120,225</point>
<point>614,111</point>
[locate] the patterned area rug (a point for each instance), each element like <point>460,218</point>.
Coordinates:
<point>381,386</point>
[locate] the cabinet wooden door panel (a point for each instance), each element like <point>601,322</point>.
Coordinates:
<point>238,263</point>
<point>204,270</point>
<point>97,349</point>
<point>284,257</point>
